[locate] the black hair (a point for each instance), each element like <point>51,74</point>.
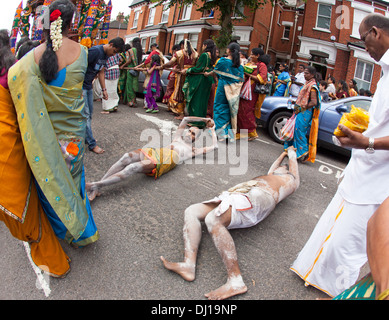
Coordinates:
<point>332,79</point>
<point>155,58</point>
<point>285,65</point>
<point>21,41</point>
<point>324,84</point>
<point>154,45</point>
<point>211,48</point>
<point>26,47</point>
<point>48,63</point>
<point>312,71</point>
<point>361,92</point>
<point>355,85</point>
<point>189,47</point>
<point>139,51</point>
<point>176,47</point>
<point>344,85</point>
<point>265,58</point>
<point>257,51</point>
<point>117,43</point>
<point>7,59</point>
<point>235,54</point>
<point>182,42</point>
<point>127,47</point>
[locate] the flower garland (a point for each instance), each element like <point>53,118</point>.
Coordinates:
<point>56,29</point>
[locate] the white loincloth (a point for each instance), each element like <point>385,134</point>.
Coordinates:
<point>247,209</point>
<point>113,97</point>
<point>336,250</point>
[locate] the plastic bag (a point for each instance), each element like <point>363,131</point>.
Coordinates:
<point>287,131</point>
<point>357,120</point>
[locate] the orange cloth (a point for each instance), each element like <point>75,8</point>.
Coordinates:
<point>20,208</point>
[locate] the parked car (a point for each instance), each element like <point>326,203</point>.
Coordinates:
<point>164,79</point>
<point>275,113</point>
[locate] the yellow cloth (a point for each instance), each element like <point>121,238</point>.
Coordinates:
<point>20,208</point>
<point>165,159</point>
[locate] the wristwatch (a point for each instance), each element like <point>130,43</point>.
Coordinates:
<point>370,148</point>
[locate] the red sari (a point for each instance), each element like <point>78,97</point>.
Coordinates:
<point>247,108</point>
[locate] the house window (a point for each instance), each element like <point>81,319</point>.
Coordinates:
<point>150,21</point>
<point>363,74</point>
<point>193,38</point>
<point>165,13</point>
<point>238,10</point>
<point>186,11</point>
<point>359,15</point>
<point>323,16</point>
<point>286,32</point>
<point>152,40</point>
<point>179,38</point>
<point>143,43</point>
<point>136,18</point>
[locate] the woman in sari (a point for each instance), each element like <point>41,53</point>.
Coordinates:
<point>282,82</point>
<point>353,88</point>
<point>134,58</point>
<point>171,82</point>
<point>341,90</point>
<point>197,87</point>
<point>46,87</point>
<point>123,72</point>
<point>307,110</point>
<point>183,59</point>
<point>250,102</point>
<point>230,79</point>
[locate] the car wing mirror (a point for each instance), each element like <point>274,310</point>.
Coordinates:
<point>342,108</point>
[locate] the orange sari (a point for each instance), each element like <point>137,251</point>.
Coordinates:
<point>20,208</point>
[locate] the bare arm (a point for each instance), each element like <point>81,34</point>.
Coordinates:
<point>293,165</point>
<point>184,124</point>
<point>101,77</point>
<point>276,163</point>
<point>212,147</point>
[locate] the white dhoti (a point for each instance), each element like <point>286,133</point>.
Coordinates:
<point>113,98</point>
<point>336,250</point>
<point>247,209</point>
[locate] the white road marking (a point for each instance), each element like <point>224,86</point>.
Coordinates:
<point>42,281</point>
<point>165,126</point>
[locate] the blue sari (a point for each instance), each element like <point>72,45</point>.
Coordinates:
<point>304,124</point>
<point>226,103</point>
<point>281,89</point>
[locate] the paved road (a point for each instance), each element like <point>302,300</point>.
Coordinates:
<point>142,219</point>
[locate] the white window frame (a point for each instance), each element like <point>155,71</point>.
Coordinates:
<point>136,19</point>
<point>165,13</point>
<point>194,39</point>
<point>317,17</point>
<point>241,7</point>
<point>143,44</point>
<point>179,37</point>
<point>186,12</point>
<point>150,19</point>
<point>362,80</point>
<point>286,27</point>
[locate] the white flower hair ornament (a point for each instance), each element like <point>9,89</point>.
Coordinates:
<point>56,29</point>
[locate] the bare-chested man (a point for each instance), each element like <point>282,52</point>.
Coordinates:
<point>242,206</point>
<point>157,161</point>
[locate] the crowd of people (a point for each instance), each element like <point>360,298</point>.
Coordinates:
<point>46,107</point>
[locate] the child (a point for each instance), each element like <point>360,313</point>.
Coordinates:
<point>153,88</point>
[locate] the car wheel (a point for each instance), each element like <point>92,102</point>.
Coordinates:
<point>276,123</point>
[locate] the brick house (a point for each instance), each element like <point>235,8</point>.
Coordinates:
<point>330,40</point>
<point>323,33</point>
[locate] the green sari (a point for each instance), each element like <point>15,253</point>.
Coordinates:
<point>197,87</point>
<point>52,125</point>
<point>131,81</point>
<point>122,77</point>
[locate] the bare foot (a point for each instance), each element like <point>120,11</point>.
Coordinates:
<point>233,287</point>
<point>186,271</point>
<point>97,150</point>
<point>92,191</point>
<point>180,117</point>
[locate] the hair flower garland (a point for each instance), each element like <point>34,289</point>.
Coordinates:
<point>56,29</point>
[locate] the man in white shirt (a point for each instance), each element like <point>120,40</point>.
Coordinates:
<point>297,81</point>
<point>336,250</point>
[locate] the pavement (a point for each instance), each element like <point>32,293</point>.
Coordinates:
<point>141,219</point>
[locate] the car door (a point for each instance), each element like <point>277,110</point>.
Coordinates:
<point>332,112</point>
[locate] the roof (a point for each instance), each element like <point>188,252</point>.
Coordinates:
<point>136,2</point>
<point>117,25</point>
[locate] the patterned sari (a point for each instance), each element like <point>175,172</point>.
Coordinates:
<point>131,82</point>
<point>306,121</point>
<point>52,126</point>
<point>123,76</point>
<point>226,104</point>
<point>282,90</point>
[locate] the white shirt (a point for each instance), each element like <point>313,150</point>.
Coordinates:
<point>331,88</point>
<point>294,88</point>
<point>366,177</point>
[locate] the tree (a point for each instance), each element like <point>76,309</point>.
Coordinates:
<point>226,8</point>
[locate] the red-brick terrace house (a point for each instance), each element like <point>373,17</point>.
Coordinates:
<point>272,28</point>
<point>323,33</point>
<point>330,40</point>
